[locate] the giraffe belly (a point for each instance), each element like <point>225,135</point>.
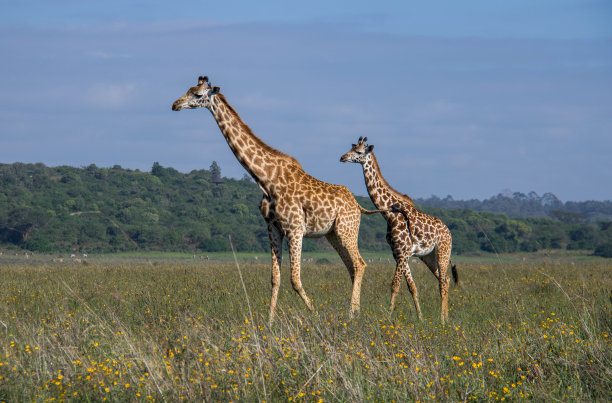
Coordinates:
<point>317,230</point>
<point>316,226</point>
<point>421,249</point>
<point>317,234</point>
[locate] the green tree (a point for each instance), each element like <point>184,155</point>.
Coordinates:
<point>604,250</point>
<point>215,170</point>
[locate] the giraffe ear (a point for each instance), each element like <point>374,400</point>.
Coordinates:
<point>370,148</point>
<point>215,91</point>
<point>354,145</point>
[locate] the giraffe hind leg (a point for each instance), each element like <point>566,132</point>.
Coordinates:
<point>437,261</point>
<point>431,262</point>
<point>443,260</point>
<point>346,247</point>
<point>336,243</point>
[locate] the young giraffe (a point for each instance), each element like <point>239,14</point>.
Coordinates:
<point>294,204</point>
<point>411,233</point>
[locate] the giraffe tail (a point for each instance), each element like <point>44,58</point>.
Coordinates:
<point>364,211</point>
<point>454,271</point>
<point>395,208</point>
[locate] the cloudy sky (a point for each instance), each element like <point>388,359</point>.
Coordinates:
<point>466,98</point>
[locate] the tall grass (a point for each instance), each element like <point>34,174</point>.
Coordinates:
<point>170,331</point>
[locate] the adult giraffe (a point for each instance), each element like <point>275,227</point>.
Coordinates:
<point>294,204</point>
<point>411,233</point>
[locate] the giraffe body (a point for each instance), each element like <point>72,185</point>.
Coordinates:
<point>410,233</point>
<point>294,204</point>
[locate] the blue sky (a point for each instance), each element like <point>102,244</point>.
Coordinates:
<point>463,98</point>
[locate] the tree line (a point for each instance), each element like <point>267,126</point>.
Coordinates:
<point>521,205</point>
<point>93,209</point>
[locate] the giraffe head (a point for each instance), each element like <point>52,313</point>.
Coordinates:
<point>359,153</point>
<point>200,96</point>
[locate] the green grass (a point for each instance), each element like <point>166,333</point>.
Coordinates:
<point>171,327</point>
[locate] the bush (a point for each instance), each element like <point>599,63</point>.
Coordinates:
<point>604,250</point>
<point>216,244</point>
<point>38,243</point>
<point>529,246</point>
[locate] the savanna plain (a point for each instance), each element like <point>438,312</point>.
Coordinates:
<point>173,327</point>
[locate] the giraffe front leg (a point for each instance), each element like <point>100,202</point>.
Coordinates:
<point>403,269</point>
<point>395,285</point>
<point>413,289</point>
<point>295,254</point>
<point>397,255</point>
<point>276,243</point>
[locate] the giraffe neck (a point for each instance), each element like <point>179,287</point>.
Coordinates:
<point>261,161</point>
<point>381,193</point>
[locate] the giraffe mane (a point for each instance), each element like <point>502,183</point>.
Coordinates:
<point>403,196</point>
<point>246,127</point>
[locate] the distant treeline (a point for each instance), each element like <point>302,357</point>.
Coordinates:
<point>521,205</point>
<point>92,209</point>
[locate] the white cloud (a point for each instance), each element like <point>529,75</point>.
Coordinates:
<point>110,95</point>
<point>310,90</point>
<point>558,133</point>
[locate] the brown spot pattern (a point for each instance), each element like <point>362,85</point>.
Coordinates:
<point>294,204</point>
<point>409,233</point>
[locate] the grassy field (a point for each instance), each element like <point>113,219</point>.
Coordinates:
<point>171,327</point>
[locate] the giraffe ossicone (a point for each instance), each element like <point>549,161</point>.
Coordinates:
<point>410,232</point>
<point>294,204</point>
